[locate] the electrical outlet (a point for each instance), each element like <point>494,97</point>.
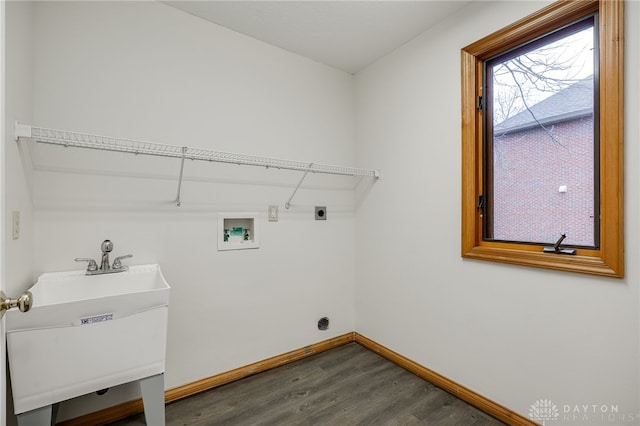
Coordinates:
<point>321,213</point>
<point>273,213</point>
<point>16,225</point>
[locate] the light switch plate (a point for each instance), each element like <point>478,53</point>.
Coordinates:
<point>273,213</point>
<point>16,224</point>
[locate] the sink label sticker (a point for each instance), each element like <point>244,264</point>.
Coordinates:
<point>95,319</point>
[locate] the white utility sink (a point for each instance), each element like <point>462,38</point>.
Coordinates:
<point>86,333</point>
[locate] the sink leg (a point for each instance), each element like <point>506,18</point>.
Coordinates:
<point>40,416</point>
<point>54,413</point>
<point>152,389</point>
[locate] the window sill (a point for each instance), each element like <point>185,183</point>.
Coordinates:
<point>582,262</point>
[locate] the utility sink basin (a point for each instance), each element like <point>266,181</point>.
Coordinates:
<point>87,333</point>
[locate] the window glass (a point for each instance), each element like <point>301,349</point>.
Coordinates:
<point>540,140</point>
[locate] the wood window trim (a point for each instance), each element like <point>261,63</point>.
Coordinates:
<point>608,260</point>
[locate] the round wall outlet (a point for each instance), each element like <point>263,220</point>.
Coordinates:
<point>323,323</point>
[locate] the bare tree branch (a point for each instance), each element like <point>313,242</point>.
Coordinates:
<point>526,105</point>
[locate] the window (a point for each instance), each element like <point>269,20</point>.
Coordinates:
<point>542,141</point>
<point>539,140</point>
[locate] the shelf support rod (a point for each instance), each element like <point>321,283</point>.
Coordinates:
<point>287,205</point>
<point>184,153</point>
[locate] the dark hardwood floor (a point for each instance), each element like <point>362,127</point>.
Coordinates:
<point>348,385</point>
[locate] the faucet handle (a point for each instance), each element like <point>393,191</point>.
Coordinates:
<point>93,266</point>
<point>116,262</point>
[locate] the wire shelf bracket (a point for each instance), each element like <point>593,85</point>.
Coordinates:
<point>106,143</point>
<point>184,152</point>
<point>287,205</point>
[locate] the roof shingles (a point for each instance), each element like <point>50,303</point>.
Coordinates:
<point>573,102</point>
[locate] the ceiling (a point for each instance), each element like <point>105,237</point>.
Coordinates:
<point>348,35</point>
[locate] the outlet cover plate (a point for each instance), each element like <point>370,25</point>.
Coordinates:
<point>321,213</point>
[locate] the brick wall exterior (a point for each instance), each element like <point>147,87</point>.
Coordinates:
<point>529,168</point>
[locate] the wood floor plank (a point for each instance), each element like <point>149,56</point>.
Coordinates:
<point>347,385</point>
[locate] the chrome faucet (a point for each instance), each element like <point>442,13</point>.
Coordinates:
<point>106,248</point>
<point>105,268</point>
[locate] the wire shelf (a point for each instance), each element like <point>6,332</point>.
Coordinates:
<point>106,143</point>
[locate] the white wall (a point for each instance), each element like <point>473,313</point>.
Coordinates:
<point>17,179</point>
<point>146,71</point>
<point>17,265</point>
<point>512,334</point>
